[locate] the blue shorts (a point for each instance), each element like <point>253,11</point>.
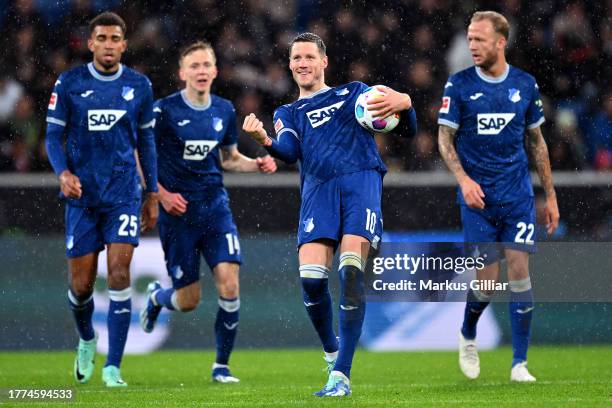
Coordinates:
<point>88,229</point>
<point>347,204</point>
<point>510,224</point>
<point>206,229</point>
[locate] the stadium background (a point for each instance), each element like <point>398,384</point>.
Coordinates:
<point>409,45</point>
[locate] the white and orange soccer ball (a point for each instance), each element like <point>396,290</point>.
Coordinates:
<point>365,118</point>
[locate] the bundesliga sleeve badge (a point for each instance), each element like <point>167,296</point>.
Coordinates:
<point>445,104</point>
<point>278,125</point>
<point>53,101</point>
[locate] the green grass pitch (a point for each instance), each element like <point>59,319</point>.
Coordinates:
<point>574,376</point>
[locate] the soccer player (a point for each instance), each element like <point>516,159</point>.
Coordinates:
<point>196,136</point>
<point>341,187</point>
<point>105,112</point>
<point>486,111</point>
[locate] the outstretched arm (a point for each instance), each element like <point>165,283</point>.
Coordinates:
<point>472,193</point>
<point>539,151</point>
<point>286,148</point>
<point>233,160</point>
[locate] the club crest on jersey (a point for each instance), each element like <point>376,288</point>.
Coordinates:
<point>177,272</point>
<point>217,124</point>
<point>53,101</point>
<point>514,95</point>
<point>320,116</point>
<point>103,119</point>
<point>198,149</point>
<point>493,123</point>
<point>308,225</point>
<point>342,92</point>
<point>127,93</point>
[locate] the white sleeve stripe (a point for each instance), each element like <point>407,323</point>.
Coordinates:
<point>148,124</point>
<point>536,124</point>
<point>56,121</point>
<point>293,132</point>
<point>448,123</point>
<point>229,146</point>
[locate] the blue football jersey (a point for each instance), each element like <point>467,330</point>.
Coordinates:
<point>332,142</point>
<point>491,116</point>
<point>188,138</point>
<point>101,115</point>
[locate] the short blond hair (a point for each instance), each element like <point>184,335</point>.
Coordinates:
<point>198,45</point>
<point>500,23</point>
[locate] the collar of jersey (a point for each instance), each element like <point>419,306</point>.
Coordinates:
<point>320,91</point>
<point>196,107</point>
<point>101,77</point>
<point>493,80</point>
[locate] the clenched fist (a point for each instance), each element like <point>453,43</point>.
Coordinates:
<point>254,128</point>
<point>266,164</point>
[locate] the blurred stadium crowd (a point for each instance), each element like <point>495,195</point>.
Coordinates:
<point>411,45</point>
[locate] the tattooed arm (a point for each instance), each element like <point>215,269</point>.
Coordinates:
<point>472,193</point>
<point>539,152</point>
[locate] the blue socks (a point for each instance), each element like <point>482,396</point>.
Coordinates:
<point>521,311</point>
<point>226,327</point>
<point>475,305</point>
<point>226,324</point>
<point>318,302</point>
<point>119,316</point>
<point>82,310</point>
<point>352,309</point>
<point>166,298</point>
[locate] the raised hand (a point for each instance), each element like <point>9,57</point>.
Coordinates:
<point>254,128</point>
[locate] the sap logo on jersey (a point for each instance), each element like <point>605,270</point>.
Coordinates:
<point>198,149</point>
<point>103,119</point>
<point>493,123</point>
<point>318,117</point>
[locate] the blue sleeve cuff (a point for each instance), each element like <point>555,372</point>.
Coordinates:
<point>409,120</point>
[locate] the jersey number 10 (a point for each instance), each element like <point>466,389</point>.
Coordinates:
<point>370,221</point>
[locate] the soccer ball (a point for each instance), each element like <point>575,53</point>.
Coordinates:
<point>364,117</point>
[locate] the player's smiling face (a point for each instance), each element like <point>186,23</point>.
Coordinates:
<point>307,65</point>
<point>198,69</point>
<point>107,43</point>
<point>485,44</point>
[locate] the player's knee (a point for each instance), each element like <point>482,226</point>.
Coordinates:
<point>229,289</point>
<point>81,284</point>
<point>81,289</point>
<point>226,278</point>
<point>314,282</point>
<point>119,274</point>
<point>518,270</point>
